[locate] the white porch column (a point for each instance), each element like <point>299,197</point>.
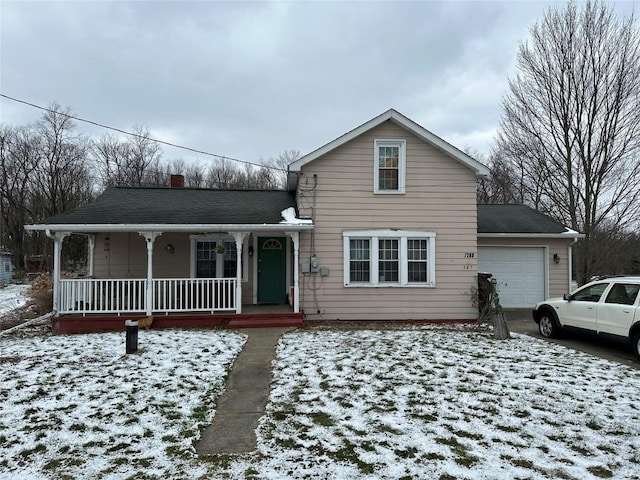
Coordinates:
<point>92,249</point>
<point>239,238</point>
<point>149,238</point>
<point>295,239</point>
<point>57,238</point>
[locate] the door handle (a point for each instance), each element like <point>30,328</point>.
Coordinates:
<point>590,308</point>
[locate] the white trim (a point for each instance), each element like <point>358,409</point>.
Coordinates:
<point>404,122</point>
<point>402,236</point>
<point>570,265</point>
<point>402,161</point>
<point>287,263</point>
<point>254,269</point>
<point>212,228</point>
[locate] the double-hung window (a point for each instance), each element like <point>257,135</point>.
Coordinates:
<point>215,258</point>
<point>389,258</point>
<point>389,166</point>
<point>360,260</point>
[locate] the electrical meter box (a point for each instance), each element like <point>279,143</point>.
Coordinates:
<point>314,264</point>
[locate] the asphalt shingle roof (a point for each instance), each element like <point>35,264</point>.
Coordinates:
<point>142,205</point>
<point>516,219</point>
<point>127,205</point>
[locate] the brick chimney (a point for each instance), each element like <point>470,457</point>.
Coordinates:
<point>177,181</point>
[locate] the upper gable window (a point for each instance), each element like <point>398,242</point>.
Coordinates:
<point>389,166</point>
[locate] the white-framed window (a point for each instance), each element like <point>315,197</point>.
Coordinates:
<point>216,257</point>
<point>389,166</point>
<point>383,258</point>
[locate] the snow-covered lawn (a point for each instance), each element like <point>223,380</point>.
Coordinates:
<point>433,404</point>
<point>12,297</point>
<point>421,403</point>
<point>75,407</point>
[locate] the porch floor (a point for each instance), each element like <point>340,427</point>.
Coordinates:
<point>253,316</point>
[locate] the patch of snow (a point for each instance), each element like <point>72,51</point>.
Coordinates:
<point>289,216</point>
<point>570,232</point>
<point>12,297</point>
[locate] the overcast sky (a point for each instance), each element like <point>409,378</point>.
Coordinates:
<point>251,80</point>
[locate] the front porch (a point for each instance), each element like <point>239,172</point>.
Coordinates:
<point>177,254</point>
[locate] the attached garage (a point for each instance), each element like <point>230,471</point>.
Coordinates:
<point>527,252</point>
<point>519,273</point>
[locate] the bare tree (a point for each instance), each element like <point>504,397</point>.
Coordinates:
<point>45,171</point>
<point>571,121</point>
<point>280,165</point>
<point>222,174</point>
<point>195,176</point>
<point>61,179</point>
<point>18,160</point>
<point>133,162</point>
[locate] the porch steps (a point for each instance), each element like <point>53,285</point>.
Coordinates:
<point>266,320</point>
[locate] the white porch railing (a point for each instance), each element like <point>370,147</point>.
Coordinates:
<point>194,294</point>
<point>84,295</point>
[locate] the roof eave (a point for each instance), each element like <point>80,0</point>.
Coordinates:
<point>168,227</point>
<point>566,235</point>
<point>479,169</point>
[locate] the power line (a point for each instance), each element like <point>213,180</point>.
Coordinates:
<point>137,135</point>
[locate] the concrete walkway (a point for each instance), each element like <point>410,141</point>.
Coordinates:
<point>243,402</point>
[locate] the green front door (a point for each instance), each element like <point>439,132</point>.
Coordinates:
<point>272,277</point>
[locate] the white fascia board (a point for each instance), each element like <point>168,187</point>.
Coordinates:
<point>169,227</point>
<point>566,235</point>
<point>398,118</point>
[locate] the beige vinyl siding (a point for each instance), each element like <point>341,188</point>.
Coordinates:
<point>440,198</point>
<point>558,274</point>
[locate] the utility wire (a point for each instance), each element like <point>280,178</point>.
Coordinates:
<point>182,147</point>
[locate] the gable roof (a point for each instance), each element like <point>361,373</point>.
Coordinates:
<point>407,124</point>
<point>519,221</point>
<point>177,206</point>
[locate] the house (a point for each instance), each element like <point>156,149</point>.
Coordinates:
<point>383,225</point>
<point>5,267</point>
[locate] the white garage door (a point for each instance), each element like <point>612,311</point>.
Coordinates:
<point>519,272</point>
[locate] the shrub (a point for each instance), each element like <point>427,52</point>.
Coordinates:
<point>41,293</point>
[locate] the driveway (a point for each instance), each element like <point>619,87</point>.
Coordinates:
<point>520,321</point>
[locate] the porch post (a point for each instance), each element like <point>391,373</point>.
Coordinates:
<point>295,239</point>
<point>57,238</point>
<point>239,238</point>
<point>92,249</point>
<point>149,238</point>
